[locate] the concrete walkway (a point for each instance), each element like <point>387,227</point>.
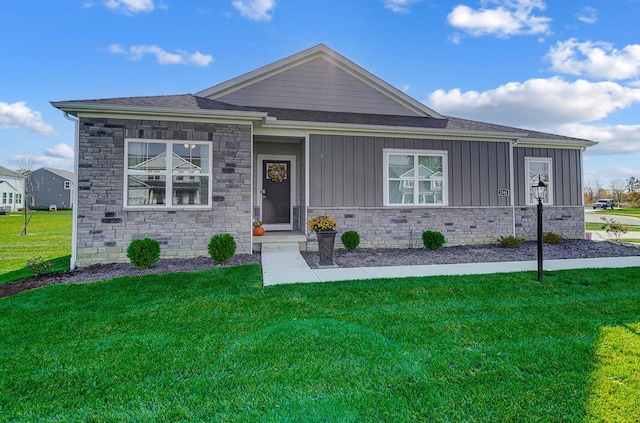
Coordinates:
<point>283,264</point>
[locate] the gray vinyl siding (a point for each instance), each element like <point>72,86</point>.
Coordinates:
<point>566,174</point>
<point>48,189</point>
<point>316,85</point>
<point>347,171</point>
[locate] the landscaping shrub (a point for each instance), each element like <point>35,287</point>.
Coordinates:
<point>39,267</point>
<point>143,253</point>
<point>510,241</point>
<point>614,229</point>
<point>221,248</point>
<point>350,240</point>
<point>433,240</point>
<point>551,238</point>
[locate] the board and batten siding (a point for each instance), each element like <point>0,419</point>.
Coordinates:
<point>347,171</point>
<point>316,85</point>
<point>566,175</point>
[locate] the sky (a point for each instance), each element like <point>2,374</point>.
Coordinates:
<point>568,67</point>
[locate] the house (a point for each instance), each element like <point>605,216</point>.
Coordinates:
<point>11,190</point>
<point>311,134</point>
<point>51,187</point>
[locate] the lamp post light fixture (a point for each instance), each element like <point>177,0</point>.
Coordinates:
<point>540,190</point>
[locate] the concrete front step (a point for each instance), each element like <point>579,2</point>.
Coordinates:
<point>273,247</point>
<point>293,237</point>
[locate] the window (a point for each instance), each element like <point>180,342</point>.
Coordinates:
<point>10,198</point>
<point>67,184</point>
<point>4,198</point>
<point>538,167</point>
<point>18,198</point>
<point>168,174</point>
<point>415,177</point>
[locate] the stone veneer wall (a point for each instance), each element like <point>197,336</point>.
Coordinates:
<point>105,229</point>
<point>403,227</point>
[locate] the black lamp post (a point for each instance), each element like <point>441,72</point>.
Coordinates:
<point>540,189</point>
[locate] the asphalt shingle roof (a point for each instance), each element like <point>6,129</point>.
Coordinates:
<point>193,102</point>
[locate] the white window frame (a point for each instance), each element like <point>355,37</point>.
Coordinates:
<point>168,174</point>
<point>67,184</point>
<point>444,154</point>
<point>528,183</point>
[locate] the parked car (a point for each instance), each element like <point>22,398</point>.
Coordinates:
<point>603,204</point>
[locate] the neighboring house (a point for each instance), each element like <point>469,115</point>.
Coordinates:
<point>51,187</point>
<point>11,190</point>
<point>308,135</point>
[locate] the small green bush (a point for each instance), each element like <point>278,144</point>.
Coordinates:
<point>39,267</point>
<point>221,248</point>
<point>433,240</point>
<point>350,240</point>
<point>143,253</point>
<point>551,238</point>
<point>510,241</point>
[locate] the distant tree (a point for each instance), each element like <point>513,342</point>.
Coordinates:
<point>633,184</point>
<point>617,187</point>
<point>591,189</point>
<point>30,188</point>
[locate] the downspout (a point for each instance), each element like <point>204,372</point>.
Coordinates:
<point>74,192</point>
<point>511,186</point>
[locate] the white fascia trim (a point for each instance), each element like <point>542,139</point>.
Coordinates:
<point>554,143</point>
<point>353,129</point>
<point>111,110</point>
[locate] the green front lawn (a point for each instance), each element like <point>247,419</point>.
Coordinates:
<point>631,212</point>
<point>217,346</point>
<point>48,237</point>
<point>594,226</point>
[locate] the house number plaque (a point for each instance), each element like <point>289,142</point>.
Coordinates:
<point>503,193</point>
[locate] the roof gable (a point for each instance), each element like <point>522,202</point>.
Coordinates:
<point>317,79</point>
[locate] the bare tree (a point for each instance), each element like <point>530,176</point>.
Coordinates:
<point>633,184</point>
<point>30,188</point>
<point>592,188</point>
<point>617,187</point>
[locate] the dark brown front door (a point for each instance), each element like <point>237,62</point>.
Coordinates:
<point>276,194</point>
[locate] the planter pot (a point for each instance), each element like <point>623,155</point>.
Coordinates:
<point>258,231</point>
<point>326,242</point>
<point>587,236</point>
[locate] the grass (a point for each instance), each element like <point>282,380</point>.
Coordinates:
<point>631,212</point>
<point>48,237</point>
<point>217,346</point>
<point>594,226</point>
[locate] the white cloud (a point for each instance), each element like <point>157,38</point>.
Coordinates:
<point>257,10</point>
<point>506,18</point>
<point>18,115</point>
<point>163,57</point>
<point>588,15</point>
<point>38,161</point>
<point>552,105</point>
<point>595,59</point>
<point>130,7</point>
<point>62,151</point>
<point>400,6</point>
<point>537,103</point>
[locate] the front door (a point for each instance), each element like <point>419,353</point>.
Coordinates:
<point>276,192</point>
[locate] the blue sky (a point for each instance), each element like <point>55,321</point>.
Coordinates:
<point>567,67</point>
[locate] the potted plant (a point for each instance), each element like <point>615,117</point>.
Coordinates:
<point>258,230</point>
<point>324,227</point>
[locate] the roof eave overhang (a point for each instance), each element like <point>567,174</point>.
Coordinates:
<point>555,143</point>
<point>78,109</point>
<point>386,130</point>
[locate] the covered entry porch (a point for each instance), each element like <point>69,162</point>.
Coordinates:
<point>279,190</point>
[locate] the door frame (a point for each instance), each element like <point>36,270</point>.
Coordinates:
<point>292,176</point>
